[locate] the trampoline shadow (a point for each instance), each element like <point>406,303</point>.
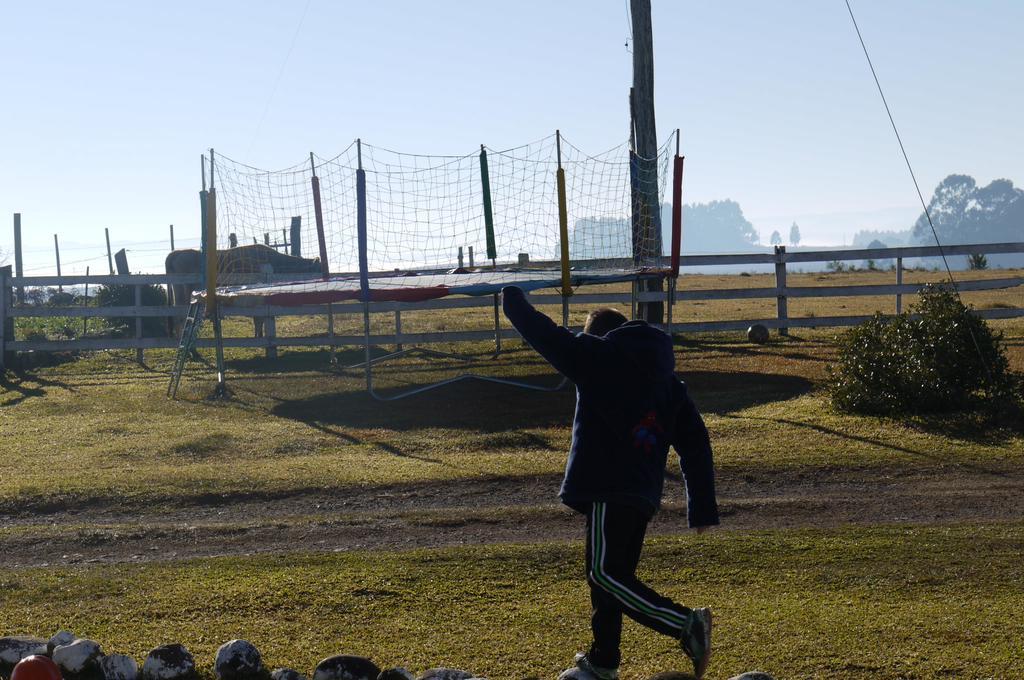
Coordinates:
<point>488,407</point>
<point>722,392</point>
<point>464,405</point>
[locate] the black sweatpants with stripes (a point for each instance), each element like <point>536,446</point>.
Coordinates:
<point>615,538</point>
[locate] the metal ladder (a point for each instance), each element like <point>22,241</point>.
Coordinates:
<point>187,343</point>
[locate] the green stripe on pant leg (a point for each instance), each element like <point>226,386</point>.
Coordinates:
<point>627,597</point>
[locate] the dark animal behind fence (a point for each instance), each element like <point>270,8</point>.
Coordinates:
<point>251,259</point>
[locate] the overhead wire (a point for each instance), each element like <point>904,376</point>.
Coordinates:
<point>917,186</point>
<point>280,73</point>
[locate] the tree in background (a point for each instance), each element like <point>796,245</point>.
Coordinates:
<point>963,212</point>
<point>794,235</point>
<point>776,239</point>
<point>977,261</point>
<point>715,227</point>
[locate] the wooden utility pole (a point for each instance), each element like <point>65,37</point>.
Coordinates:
<point>110,259</point>
<point>646,208</point>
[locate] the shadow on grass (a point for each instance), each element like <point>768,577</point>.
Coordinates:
<point>312,360</point>
<point>981,427</point>
<point>26,386</point>
<point>787,348</point>
<point>466,405</point>
<point>881,443</point>
<point>318,360</point>
<point>725,392</point>
<point>489,407</point>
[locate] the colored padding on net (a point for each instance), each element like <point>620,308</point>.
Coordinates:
<point>364,267</point>
<point>321,238</point>
<point>634,213</point>
<point>677,213</point>
<point>202,234</point>
<point>485,183</point>
<point>563,232</point>
<point>211,250</point>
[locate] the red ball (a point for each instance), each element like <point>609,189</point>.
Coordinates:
<point>36,667</point>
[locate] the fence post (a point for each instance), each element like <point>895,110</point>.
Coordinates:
<point>6,327</point>
<point>780,287</point>
<point>269,322</point>
<point>899,282</point>
<point>270,332</point>
<point>18,270</point>
<point>139,352</point>
<point>296,236</point>
<point>85,303</point>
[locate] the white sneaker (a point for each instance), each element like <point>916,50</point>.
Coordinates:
<point>696,641</point>
<point>584,670</point>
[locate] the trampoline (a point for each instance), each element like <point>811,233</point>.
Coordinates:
<point>396,220</point>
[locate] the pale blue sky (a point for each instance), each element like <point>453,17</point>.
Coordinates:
<point>108,105</point>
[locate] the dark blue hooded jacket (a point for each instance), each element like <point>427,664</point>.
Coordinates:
<point>629,408</point>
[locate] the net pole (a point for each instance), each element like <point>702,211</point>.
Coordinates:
<point>364,273</point>
<point>563,219</point>
<point>322,241</point>
<point>211,280</point>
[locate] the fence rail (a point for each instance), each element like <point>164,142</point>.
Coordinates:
<point>781,292</point>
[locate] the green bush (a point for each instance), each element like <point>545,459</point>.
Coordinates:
<point>939,357</point>
<point>123,295</point>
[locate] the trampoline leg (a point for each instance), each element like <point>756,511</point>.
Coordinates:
<point>330,333</point>
<point>398,330</point>
<point>565,311</point>
<point>671,303</point>
<point>497,324</point>
<point>366,345</point>
<point>632,300</point>
<point>218,337</point>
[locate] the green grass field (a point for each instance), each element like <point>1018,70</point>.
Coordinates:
<point>93,454</point>
<point>866,602</point>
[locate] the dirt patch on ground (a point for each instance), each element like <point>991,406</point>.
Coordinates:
<point>501,510</point>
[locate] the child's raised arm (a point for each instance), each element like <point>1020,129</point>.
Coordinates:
<point>570,354</point>
<point>692,443</point>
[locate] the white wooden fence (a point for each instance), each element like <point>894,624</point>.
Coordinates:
<point>781,292</point>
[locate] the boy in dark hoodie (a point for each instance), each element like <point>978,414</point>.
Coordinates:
<point>629,408</point>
